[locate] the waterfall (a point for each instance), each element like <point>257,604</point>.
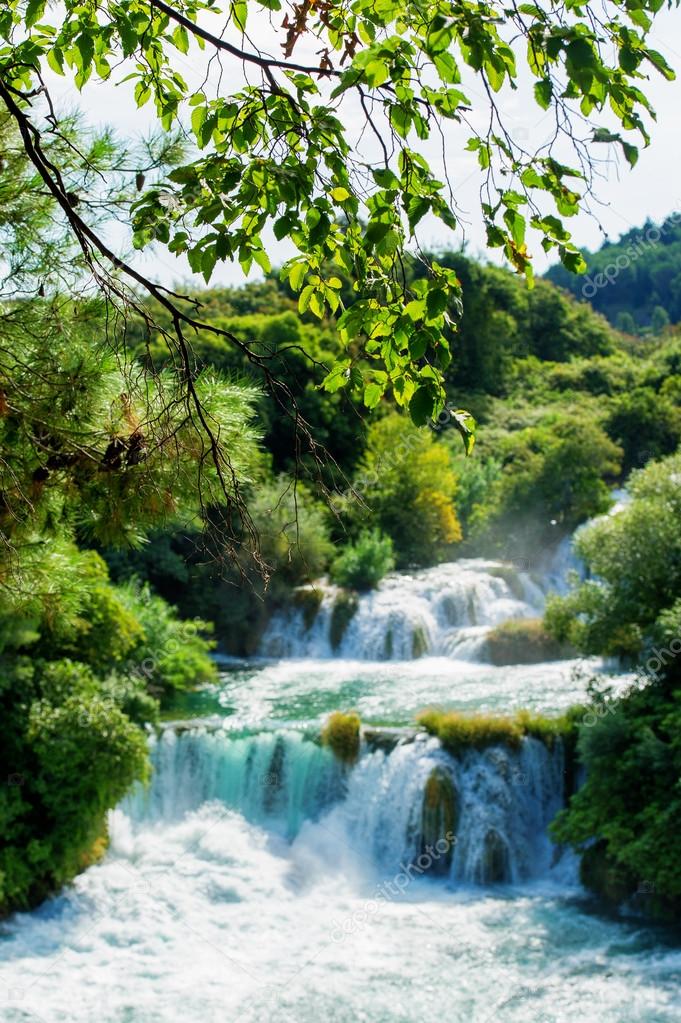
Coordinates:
<point>278,780</point>
<point>442,611</point>
<point>477,818</point>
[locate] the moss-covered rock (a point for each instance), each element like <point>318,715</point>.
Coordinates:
<point>458,731</point>
<point>344,609</point>
<point>341,734</point>
<point>419,642</point>
<point>494,865</point>
<point>439,821</point>
<point>309,600</point>
<point>274,780</point>
<point>524,641</point>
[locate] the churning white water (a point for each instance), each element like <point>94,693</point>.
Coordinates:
<point>209,909</point>
<point>446,610</point>
<point>260,879</point>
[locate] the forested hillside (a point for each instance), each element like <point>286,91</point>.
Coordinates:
<point>566,407</point>
<point>635,281</point>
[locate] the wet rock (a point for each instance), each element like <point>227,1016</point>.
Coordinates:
<point>439,821</point>
<point>494,864</point>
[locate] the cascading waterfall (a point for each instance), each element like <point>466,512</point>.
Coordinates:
<point>258,877</point>
<point>277,779</point>
<point>477,818</point>
<point>442,611</point>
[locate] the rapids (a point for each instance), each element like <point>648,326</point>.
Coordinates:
<point>258,878</point>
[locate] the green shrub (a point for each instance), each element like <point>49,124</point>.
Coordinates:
<point>361,565</point>
<point>341,734</point>
<point>407,483</point>
<point>458,731</point>
<point>629,803</point>
<point>634,560</point>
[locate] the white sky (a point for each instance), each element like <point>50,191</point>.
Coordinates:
<point>627,197</point>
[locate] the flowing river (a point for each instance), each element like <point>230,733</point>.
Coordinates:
<point>260,879</point>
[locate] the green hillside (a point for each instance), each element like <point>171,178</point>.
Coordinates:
<point>636,281</point>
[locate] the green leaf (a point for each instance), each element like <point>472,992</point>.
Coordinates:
<point>373,393</point>
<point>305,298</point>
<point>630,153</point>
<point>263,260</point>
<point>338,376</point>
<point>239,12</point>
<point>296,275</point>
<point>543,93</point>
<point>466,425</point>
<point>55,59</point>
<point>34,12</point>
<point>421,405</point>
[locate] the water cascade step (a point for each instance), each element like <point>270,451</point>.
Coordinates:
<point>478,818</point>
<point>442,611</point>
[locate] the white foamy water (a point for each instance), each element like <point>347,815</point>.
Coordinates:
<point>441,611</point>
<point>200,914</point>
<point>306,691</point>
<point>258,879</point>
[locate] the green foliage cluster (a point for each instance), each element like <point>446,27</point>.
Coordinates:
<point>626,817</point>
<point>458,731</point>
<point>77,679</point>
<point>362,564</point>
<point>341,734</point>
<point>634,564</point>
<point>406,485</point>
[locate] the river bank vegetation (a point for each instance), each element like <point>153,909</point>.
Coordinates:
<point>175,466</point>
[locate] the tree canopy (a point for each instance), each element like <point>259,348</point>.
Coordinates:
<point>271,150</point>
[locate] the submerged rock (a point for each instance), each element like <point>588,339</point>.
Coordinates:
<point>273,781</point>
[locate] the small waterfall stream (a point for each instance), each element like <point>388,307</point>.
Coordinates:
<point>443,611</point>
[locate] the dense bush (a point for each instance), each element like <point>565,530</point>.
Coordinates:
<point>629,804</point>
<point>458,731</point>
<point>645,425</point>
<point>76,680</point>
<point>634,558</point>
<point>407,486</point>
<point>361,565</point>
